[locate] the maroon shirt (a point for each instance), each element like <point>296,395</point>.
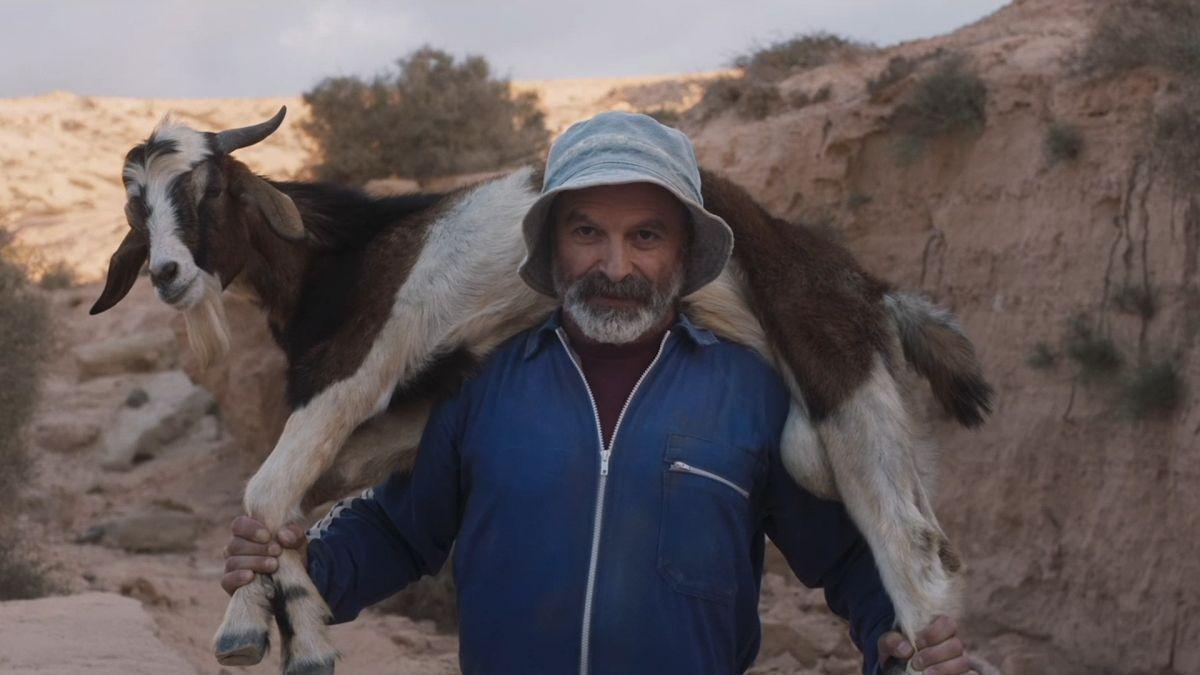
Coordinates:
<point>613,370</point>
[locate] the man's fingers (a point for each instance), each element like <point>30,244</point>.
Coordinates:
<point>939,653</point>
<point>255,563</point>
<point>250,529</point>
<point>942,628</point>
<point>893,644</point>
<point>291,535</point>
<point>236,579</point>
<point>239,546</point>
<point>958,666</point>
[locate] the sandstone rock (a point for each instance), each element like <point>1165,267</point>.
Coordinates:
<point>154,530</point>
<point>88,634</point>
<point>64,433</point>
<point>136,353</point>
<point>172,404</point>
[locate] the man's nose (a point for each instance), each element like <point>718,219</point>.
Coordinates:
<point>616,264</point>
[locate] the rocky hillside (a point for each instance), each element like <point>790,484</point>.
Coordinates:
<point>1078,520</point>
<point>983,168</point>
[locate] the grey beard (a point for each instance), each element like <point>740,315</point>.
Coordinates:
<point>616,325</point>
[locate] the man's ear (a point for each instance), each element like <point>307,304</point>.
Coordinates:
<point>278,209</point>
<point>123,270</point>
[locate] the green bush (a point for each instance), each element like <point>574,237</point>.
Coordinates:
<point>898,68</point>
<point>1153,390</point>
<point>1043,357</point>
<point>749,99</point>
<point>784,58</point>
<point>433,117</point>
<point>1063,142</point>
<point>57,276</point>
<point>1136,33</point>
<point>951,98</point>
<point>24,338</point>
<point>1095,354</point>
<point>1134,299</point>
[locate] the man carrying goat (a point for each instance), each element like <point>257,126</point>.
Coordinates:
<point>608,477</point>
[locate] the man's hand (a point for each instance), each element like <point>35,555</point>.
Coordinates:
<point>939,651</point>
<point>251,550</point>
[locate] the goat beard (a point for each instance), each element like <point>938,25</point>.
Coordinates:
<point>207,326</point>
<point>616,325</point>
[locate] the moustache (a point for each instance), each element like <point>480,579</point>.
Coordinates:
<point>633,287</point>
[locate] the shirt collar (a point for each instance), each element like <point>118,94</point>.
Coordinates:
<point>699,336</point>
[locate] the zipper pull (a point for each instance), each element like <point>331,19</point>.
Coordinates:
<point>604,462</point>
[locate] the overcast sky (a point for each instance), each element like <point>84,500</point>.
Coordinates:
<point>210,48</point>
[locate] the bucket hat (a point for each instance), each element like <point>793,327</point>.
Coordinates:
<point>613,148</point>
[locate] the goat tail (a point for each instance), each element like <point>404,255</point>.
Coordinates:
<point>935,346</point>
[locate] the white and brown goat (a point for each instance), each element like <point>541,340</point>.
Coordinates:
<point>379,303</point>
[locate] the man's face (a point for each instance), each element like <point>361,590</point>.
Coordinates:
<point>618,258</point>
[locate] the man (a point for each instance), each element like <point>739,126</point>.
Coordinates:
<point>607,478</point>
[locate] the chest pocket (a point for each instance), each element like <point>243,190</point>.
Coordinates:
<point>704,536</point>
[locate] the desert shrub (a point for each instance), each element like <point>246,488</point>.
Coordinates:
<point>24,334</point>
<point>666,116</point>
<point>1063,142</point>
<point>22,576</point>
<point>800,99</point>
<point>949,99</point>
<point>1134,299</point>
<point>57,275</point>
<point>1043,357</point>
<point>1177,137</point>
<point>1153,390</point>
<point>781,59</point>
<point>1095,354</point>
<point>1135,33</point>
<point>433,116</point>
<point>749,99</point>
<point>897,68</point>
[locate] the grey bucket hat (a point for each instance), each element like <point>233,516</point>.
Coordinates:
<point>619,147</point>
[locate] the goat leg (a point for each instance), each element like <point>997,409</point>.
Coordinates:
<point>872,448</point>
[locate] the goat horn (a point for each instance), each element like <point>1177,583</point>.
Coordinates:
<point>231,139</point>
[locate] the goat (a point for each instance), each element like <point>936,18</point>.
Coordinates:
<point>382,303</point>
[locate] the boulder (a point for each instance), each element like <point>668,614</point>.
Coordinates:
<point>88,634</point>
<point>153,530</point>
<point>142,352</point>
<point>64,432</point>
<point>168,406</point>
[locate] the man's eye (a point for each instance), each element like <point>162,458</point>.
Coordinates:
<point>585,231</point>
<point>648,235</point>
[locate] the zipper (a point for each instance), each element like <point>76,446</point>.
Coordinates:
<point>605,453</point>
<point>684,467</point>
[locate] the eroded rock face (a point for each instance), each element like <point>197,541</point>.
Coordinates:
<point>90,634</point>
<point>1076,522</point>
<point>151,530</point>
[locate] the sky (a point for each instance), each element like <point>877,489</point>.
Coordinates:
<point>243,48</point>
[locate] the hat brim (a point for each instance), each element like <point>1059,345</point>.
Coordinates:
<point>711,245</point>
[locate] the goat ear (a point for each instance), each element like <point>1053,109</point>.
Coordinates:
<point>123,270</point>
<point>279,209</point>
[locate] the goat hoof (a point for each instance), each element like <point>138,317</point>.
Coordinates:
<point>307,667</point>
<point>242,649</point>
